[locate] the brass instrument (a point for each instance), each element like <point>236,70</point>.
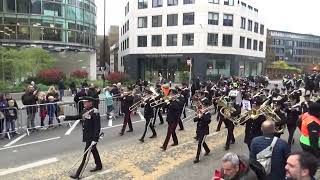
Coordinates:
<point>226,110</point>
<point>271,115</point>
<point>144,98</point>
<point>252,114</point>
<point>164,100</point>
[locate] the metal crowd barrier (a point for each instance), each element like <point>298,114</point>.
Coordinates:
<point>31,120</point>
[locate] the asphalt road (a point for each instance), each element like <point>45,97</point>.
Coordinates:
<point>50,154</point>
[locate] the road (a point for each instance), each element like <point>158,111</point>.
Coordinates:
<point>50,154</point>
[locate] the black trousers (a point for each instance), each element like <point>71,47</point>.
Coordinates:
<point>180,124</point>
<point>148,123</point>
<point>157,113</point>
<point>96,157</point>
<point>202,142</point>
<point>126,120</point>
<point>1,125</point>
<point>184,110</point>
<point>171,132</point>
<point>220,120</point>
<point>230,136</point>
<point>291,130</point>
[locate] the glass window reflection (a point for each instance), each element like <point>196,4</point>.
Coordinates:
<point>35,7</point>
<point>22,6</point>
<point>23,32</point>
<point>52,9</point>
<point>9,6</point>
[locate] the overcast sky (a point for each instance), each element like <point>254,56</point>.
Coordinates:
<point>299,16</point>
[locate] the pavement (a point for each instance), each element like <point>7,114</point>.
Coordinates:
<point>50,154</point>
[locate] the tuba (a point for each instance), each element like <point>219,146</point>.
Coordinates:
<point>226,110</point>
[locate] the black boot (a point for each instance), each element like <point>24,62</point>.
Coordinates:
<point>97,168</point>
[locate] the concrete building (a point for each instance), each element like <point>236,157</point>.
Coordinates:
<point>66,28</point>
<point>219,36</point>
<point>300,50</point>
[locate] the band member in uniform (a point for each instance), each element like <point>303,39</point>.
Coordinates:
<point>293,111</point>
<point>148,115</point>
<point>305,105</point>
<point>277,104</point>
<point>253,124</point>
<point>186,93</point>
<point>127,102</point>
<point>203,120</point>
<point>174,111</point>
<point>229,124</point>
<point>181,99</point>
<point>91,130</point>
<point>157,111</point>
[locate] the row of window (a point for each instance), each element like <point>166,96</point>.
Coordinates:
<point>188,40</point>
<point>188,19</point>
<point>291,52</point>
<point>46,34</point>
<point>44,7</point>
<point>125,44</point>
<point>249,7</point>
<point>143,4</point>
<point>291,43</point>
<point>125,28</point>
<point>250,25</point>
<point>250,42</point>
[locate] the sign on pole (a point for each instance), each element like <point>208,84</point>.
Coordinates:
<point>189,62</point>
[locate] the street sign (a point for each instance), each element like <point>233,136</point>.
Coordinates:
<point>241,67</point>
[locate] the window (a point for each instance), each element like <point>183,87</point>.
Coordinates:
<point>213,18</point>
<point>142,41</point>
<point>35,7</point>
<point>260,46</point>
<point>256,10</point>
<point>261,29</point>
<point>249,25</point>
<point>229,2</point>
<point>212,39</point>
<point>188,18</point>
<point>214,1</point>
<point>9,6</point>
<point>250,7</point>
<point>255,45</point>
<point>248,43</point>
<point>228,20</point>
<point>172,40</point>
<point>126,10</point>
<point>52,9</point>
<point>242,42</point>
<point>156,21</point>
<point>156,40</point>
<point>243,4</point>
<point>156,3</point>
<point>23,6</point>
<point>227,40</point>
<point>172,2</point>
<point>188,1</point>
<point>243,23</point>
<point>142,4</point>
<point>172,20</point>
<point>256,27</point>
<point>188,39</point>
<point>143,22</point>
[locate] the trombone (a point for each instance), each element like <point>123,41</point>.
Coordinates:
<point>164,100</point>
<point>144,99</point>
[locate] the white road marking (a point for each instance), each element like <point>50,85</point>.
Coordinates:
<point>119,125</point>
<point>72,128</point>
<point>35,142</point>
<point>101,173</point>
<point>16,140</point>
<point>28,166</point>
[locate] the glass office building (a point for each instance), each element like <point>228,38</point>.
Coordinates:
<point>48,23</point>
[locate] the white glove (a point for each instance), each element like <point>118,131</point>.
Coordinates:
<point>93,143</point>
<point>61,118</point>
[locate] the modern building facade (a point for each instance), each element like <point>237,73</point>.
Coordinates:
<point>300,50</point>
<point>55,25</point>
<point>219,36</point>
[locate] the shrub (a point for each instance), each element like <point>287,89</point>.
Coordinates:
<point>50,76</point>
<point>79,74</point>
<point>116,77</point>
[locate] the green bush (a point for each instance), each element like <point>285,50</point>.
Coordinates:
<point>42,87</point>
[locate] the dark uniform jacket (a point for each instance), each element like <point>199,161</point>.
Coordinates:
<point>203,124</point>
<point>293,116</point>
<point>174,111</point>
<point>127,102</point>
<point>305,106</point>
<point>91,124</point>
<point>253,128</point>
<point>148,110</point>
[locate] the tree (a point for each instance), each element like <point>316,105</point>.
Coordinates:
<point>17,64</point>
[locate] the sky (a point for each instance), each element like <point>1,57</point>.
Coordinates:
<point>300,16</point>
